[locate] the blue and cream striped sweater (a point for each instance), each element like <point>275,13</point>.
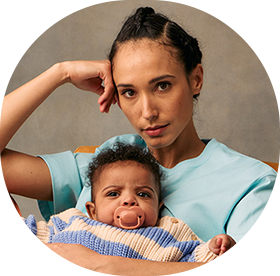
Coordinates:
<point>171,240</point>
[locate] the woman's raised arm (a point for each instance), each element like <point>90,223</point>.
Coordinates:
<point>20,170</point>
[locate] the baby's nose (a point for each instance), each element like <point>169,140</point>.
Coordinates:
<point>129,201</point>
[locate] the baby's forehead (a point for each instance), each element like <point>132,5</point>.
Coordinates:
<point>123,164</point>
<point>110,167</point>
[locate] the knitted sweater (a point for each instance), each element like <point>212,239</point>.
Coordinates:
<point>171,240</point>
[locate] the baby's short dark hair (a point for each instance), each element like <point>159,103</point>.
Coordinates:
<point>125,152</point>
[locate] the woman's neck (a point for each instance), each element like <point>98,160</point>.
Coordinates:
<point>186,146</point>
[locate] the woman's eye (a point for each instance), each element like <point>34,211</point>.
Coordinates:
<point>163,86</point>
<point>143,194</point>
<point>113,194</point>
<point>128,93</point>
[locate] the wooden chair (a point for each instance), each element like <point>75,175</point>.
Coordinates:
<point>272,165</point>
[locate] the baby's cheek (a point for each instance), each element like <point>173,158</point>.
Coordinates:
<point>105,217</point>
<point>151,217</point>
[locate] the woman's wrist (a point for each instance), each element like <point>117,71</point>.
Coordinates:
<point>62,72</point>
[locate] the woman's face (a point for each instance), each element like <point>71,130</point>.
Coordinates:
<point>154,92</point>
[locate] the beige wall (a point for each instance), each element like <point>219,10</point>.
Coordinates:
<point>237,105</point>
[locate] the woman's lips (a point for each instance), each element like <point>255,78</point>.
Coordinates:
<point>156,130</point>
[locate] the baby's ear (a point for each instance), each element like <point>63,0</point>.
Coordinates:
<point>159,208</point>
<point>91,210</point>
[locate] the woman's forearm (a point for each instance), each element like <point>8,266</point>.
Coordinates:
<point>85,75</point>
<point>20,104</point>
<point>60,259</point>
<point>27,175</point>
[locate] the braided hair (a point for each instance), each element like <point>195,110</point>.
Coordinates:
<point>145,23</point>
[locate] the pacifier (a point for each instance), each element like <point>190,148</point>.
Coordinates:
<point>129,217</point>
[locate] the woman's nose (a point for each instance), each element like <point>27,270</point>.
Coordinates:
<point>149,108</point>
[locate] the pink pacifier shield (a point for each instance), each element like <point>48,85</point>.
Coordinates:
<point>129,218</point>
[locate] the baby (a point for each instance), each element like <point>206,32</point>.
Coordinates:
<point>124,214</point>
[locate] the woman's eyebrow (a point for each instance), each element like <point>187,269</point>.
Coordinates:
<point>125,85</point>
<point>160,78</point>
<point>150,82</point>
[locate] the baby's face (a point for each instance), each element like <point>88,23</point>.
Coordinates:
<point>124,183</point>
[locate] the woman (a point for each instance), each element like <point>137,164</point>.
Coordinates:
<point>155,68</point>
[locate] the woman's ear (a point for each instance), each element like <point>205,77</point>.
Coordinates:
<point>196,79</point>
<point>91,210</point>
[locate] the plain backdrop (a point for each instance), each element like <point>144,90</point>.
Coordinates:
<point>237,105</point>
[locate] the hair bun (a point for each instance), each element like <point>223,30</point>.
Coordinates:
<point>142,13</point>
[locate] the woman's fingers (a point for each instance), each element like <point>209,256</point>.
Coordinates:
<point>94,76</point>
<point>108,96</point>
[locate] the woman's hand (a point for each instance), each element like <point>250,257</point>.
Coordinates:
<point>90,76</point>
<point>21,103</point>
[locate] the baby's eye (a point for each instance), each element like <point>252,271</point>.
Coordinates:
<point>163,86</point>
<point>113,194</point>
<point>143,194</point>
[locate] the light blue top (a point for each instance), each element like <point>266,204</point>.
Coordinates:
<point>220,191</point>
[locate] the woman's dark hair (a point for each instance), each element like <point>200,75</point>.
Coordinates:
<point>125,152</point>
<point>145,23</point>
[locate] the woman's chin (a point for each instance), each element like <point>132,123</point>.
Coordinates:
<point>157,142</point>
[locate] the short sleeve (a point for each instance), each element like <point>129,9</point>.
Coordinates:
<point>67,182</point>
<point>254,221</point>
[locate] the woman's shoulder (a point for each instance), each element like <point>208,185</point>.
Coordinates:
<point>225,156</point>
<point>219,158</point>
